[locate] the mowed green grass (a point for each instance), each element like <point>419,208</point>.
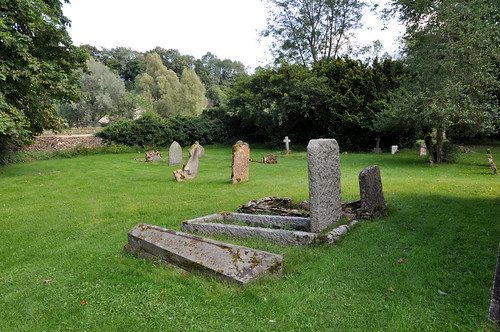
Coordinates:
<point>428,265</point>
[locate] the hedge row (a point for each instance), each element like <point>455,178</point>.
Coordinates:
<point>151,130</point>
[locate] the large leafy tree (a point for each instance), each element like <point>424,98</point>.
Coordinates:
<point>306,31</point>
<point>452,52</point>
<point>102,91</point>
<point>37,68</point>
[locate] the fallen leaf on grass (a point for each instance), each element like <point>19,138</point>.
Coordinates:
<point>47,281</point>
<point>391,288</point>
<point>400,261</point>
<point>185,274</point>
<point>83,302</point>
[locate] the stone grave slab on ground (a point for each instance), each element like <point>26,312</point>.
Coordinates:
<point>240,167</point>
<point>174,154</point>
<point>324,183</point>
<point>152,156</point>
<point>193,253</point>
<point>270,159</point>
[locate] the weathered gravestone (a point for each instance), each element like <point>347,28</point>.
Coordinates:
<point>423,149</point>
<point>241,162</point>
<point>377,148</point>
<point>287,145</point>
<point>193,253</point>
<point>190,169</point>
<point>152,156</point>
<point>324,183</point>
<point>490,160</point>
<point>201,149</point>
<point>174,154</point>
<point>394,149</point>
<point>494,313</point>
<point>371,193</point>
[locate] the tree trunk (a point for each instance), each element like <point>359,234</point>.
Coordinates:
<point>439,146</point>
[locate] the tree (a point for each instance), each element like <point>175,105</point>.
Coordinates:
<point>37,68</point>
<point>168,95</point>
<point>306,31</point>
<point>452,53</point>
<point>102,91</point>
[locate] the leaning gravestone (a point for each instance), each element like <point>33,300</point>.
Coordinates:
<point>223,260</point>
<point>324,183</point>
<point>371,193</point>
<point>201,149</point>
<point>190,169</point>
<point>241,162</point>
<point>175,154</point>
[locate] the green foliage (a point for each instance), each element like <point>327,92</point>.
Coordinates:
<point>337,98</point>
<point>305,32</point>
<point>150,130</point>
<point>101,90</point>
<point>189,129</point>
<point>452,53</point>
<point>168,95</point>
<point>37,68</point>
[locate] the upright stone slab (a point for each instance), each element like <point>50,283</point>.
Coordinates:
<point>190,169</point>
<point>377,148</point>
<point>175,154</point>
<point>371,193</point>
<point>223,260</point>
<point>394,149</point>
<point>324,183</point>
<point>241,162</point>
<point>423,149</point>
<point>201,149</point>
<point>287,142</point>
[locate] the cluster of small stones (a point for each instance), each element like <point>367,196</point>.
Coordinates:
<point>54,142</point>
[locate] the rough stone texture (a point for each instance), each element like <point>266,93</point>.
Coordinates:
<point>270,159</point>
<point>224,260</point>
<point>324,183</point>
<point>281,206</point>
<point>241,162</point>
<point>371,193</point>
<point>152,156</point>
<point>423,149</point>
<point>56,142</point>
<point>190,169</point>
<point>494,313</point>
<point>211,225</point>
<point>197,146</point>
<point>175,154</point>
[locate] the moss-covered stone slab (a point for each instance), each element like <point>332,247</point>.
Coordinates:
<point>193,253</point>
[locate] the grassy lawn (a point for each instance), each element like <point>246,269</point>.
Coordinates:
<point>426,266</point>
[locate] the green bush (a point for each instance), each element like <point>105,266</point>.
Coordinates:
<point>149,130</point>
<point>204,129</point>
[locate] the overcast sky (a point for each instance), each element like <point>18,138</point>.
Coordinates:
<point>227,28</point>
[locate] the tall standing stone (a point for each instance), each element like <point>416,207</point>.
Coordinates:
<point>324,183</point>
<point>241,162</point>
<point>423,149</point>
<point>174,154</point>
<point>371,192</point>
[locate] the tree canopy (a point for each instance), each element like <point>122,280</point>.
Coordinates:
<point>37,68</point>
<point>306,31</point>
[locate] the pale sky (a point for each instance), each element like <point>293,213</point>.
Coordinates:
<point>226,28</point>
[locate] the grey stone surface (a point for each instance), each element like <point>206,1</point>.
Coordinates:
<point>240,168</point>
<point>190,169</point>
<point>377,148</point>
<point>287,142</point>
<point>210,225</point>
<point>371,192</point>
<point>494,313</point>
<point>175,154</point>
<point>296,223</point>
<point>201,149</point>
<point>152,156</point>
<point>324,183</point>
<point>222,260</point>
<point>423,149</point>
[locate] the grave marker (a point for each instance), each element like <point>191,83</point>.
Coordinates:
<point>423,149</point>
<point>174,154</point>
<point>190,169</point>
<point>287,145</point>
<point>241,162</point>
<point>371,192</point>
<point>324,183</point>
<point>377,148</point>
<point>394,149</point>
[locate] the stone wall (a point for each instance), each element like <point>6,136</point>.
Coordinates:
<point>64,142</point>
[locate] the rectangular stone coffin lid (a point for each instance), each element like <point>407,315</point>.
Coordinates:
<point>223,260</point>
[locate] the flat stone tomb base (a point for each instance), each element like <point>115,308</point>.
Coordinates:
<point>265,227</point>
<point>193,253</point>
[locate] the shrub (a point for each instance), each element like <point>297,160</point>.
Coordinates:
<point>149,130</point>
<point>204,129</point>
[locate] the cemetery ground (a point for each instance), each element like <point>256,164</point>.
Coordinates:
<point>426,265</point>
